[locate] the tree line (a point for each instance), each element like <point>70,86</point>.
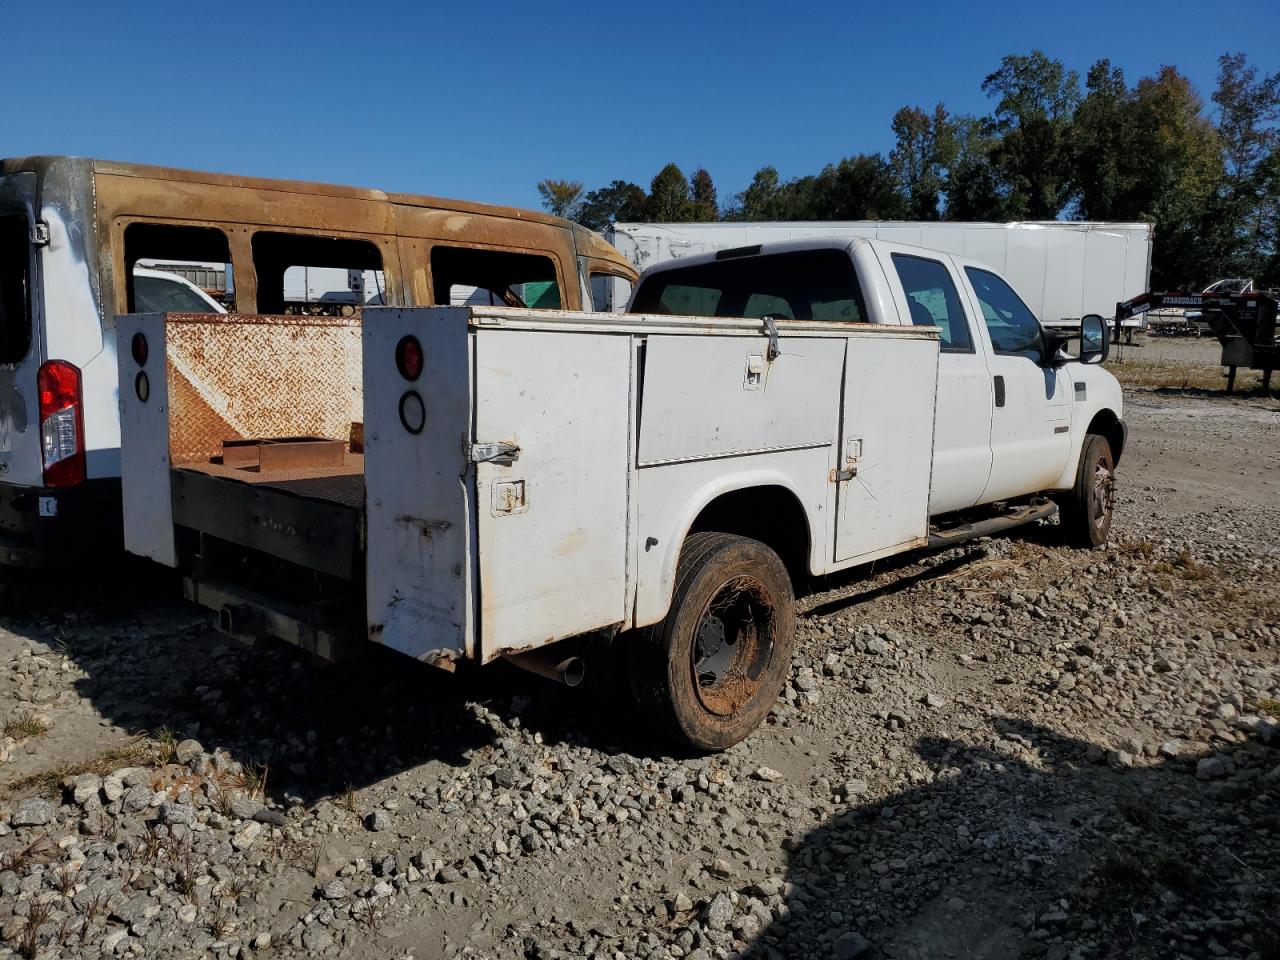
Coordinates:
<point>1208,179</point>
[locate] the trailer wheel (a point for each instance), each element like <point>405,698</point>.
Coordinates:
<point>709,672</point>
<point>1088,509</point>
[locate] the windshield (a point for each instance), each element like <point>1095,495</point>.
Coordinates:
<point>15,293</point>
<point>161,295</point>
<point>1229,287</point>
<point>800,285</point>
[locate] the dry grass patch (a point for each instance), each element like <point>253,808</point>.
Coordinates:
<point>140,752</point>
<point>24,725</point>
<point>1170,375</point>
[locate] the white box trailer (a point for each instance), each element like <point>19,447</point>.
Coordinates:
<point>1061,269</point>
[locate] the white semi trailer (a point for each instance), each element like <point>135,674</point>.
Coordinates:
<point>1063,270</point>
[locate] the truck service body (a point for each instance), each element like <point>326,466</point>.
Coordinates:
<point>534,476</point>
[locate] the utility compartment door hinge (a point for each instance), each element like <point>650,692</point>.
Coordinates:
<point>39,234</point>
<point>502,453</point>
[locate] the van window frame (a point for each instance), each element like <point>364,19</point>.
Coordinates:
<point>425,246</point>
<point>385,244</point>
<point>122,270</point>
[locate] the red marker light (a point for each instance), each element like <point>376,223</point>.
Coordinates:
<point>409,358</point>
<point>140,349</point>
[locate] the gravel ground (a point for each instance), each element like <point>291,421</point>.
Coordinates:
<point>1010,750</point>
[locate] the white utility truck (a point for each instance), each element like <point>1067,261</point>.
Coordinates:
<point>498,480</point>
<point>1063,269</point>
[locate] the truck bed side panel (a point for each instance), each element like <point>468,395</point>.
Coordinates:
<point>418,488</point>
<point>552,524</point>
<point>144,441</point>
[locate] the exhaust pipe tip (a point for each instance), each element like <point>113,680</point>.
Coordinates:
<point>567,670</point>
<point>572,671</point>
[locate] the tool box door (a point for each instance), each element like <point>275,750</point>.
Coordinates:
<point>552,521</point>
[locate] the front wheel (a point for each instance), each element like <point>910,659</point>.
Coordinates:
<point>710,671</point>
<point>1088,509</point>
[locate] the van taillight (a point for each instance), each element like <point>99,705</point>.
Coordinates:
<point>61,423</point>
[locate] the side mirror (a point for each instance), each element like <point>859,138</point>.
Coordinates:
<point>1095,343</point>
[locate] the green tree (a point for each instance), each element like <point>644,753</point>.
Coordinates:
<point>703,191</point>
<point>1179,170</point>
<point>1248,111</point>
<point>1037,97</point>
<point>561,197</point>
<point>860,187</point>
<point>619,201</point>
<point>760,200</point>
<point>1105,165</point>
<point>924,151</point>
<point>669,199</point>
<point>972,188</point>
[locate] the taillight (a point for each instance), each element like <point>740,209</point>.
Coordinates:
<point>61,423</point>
<point>409,358</point>
<point>138,346</point>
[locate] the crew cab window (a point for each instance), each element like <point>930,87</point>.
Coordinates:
<point>933,300</point>
<point>475,276</point>
<point>1013,328</point>
<point>15,295</point>
<point>801,285</point>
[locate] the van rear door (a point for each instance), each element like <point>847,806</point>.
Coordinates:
<point>20,462</point>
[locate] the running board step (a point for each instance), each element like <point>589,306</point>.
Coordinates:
<point>986,528</point>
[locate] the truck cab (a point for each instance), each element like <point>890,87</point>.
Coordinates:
<point>1014,409</point>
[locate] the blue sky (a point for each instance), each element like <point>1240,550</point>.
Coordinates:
<point>481,100</point>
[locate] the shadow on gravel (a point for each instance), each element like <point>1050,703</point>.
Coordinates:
<point>1039,845</point>
<point>154,663</point>
<point>928,572</point>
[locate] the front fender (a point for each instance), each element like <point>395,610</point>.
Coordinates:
<point>1102,395</point>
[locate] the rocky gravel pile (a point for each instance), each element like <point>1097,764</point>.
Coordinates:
<point>1009,750</point>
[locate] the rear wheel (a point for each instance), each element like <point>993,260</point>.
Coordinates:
<point>709,673</point>
<point>1088,509</point>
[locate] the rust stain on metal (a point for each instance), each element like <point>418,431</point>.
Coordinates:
<point>249,377</point>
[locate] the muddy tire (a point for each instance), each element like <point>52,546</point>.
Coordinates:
<point>708,674</point>
<point>1088,509</point>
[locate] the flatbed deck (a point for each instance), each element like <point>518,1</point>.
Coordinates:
<point>311,516</point>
